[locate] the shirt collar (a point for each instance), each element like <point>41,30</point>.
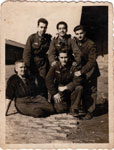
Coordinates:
<point>63,67</point>
<point>39,35</point>
<point>81,42</point>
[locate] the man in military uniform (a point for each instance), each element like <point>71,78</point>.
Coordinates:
<point>89,70</point>
<point>63,41</point>
<point>35,53</point>
<point>64,87</point>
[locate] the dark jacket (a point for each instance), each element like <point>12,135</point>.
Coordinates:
<point>88,58</point>
<point>36,49</point>
<point>67,43</point>
<point>16,88</point>
<point>59,75</point>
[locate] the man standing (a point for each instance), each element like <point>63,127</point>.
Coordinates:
<point>89,70</point>
<point>63,41</point>
<point>64,87</point>
<point>35,53</point>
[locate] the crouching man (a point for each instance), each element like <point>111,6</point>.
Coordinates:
<point>65,88</point>
<point>27,96</point>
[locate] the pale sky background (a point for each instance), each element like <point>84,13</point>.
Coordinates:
<point>20,19</point>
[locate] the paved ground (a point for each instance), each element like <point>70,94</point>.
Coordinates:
<point>61,128</point>
<point>56,128</point>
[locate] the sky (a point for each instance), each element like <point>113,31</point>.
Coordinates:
<point>20,19</point>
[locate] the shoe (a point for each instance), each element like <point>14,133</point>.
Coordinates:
<point>82,112</point>
<point>74,112</point>
<point>88,116</point>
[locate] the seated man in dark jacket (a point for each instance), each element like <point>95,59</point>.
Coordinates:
<point>22,89</point>
<point>64,86</point>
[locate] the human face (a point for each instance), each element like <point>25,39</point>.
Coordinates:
<point>80,35</point>
<point>63,58</point>
<point>42,27</point>
<point>21,69</point>
<point>62,30</point>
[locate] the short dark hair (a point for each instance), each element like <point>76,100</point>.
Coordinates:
<point>43,20</point>
<point>64,51</point>
<point>18,61</point>
<point>62,22</point>
<point>79,27</point>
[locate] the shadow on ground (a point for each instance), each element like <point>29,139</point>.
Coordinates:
<point>101,109</point>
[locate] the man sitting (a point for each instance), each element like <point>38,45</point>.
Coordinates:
<point>64,87</point>
<point>28,100</point>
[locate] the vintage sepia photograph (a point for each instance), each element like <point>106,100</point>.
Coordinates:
<point>56,62</point>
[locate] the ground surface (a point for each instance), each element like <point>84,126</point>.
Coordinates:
<point>61,128</point>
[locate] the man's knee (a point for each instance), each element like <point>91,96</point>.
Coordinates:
<point>60,108</point>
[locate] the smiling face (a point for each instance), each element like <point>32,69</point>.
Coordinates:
<point>62,30</point>
<point>42,27</point>
<point>63,58</point>
<point>80,35</point>
<point>21,69</point>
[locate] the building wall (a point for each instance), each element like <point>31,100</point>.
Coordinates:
<point>95,20</point>
<point>12,54</point>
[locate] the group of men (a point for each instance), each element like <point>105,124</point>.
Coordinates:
<point>64,67</point>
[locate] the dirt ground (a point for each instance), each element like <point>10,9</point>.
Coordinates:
<point>61,128</point>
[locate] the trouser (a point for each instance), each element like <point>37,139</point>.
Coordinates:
<point>40,71</point>
<point>70,100</point>
<point>34,106</point>
<point>90,95</point>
